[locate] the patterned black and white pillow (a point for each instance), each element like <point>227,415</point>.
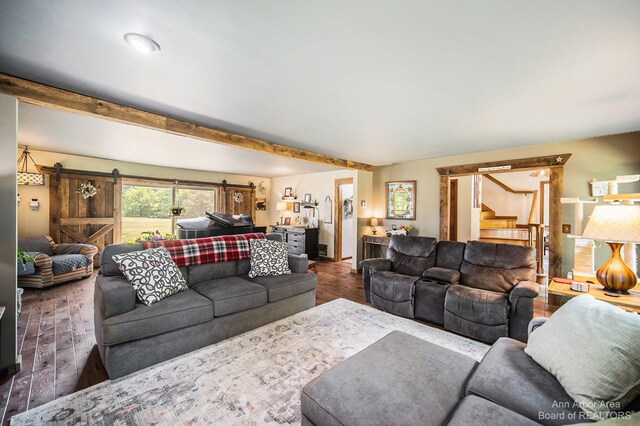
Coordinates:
<point>268,258</point>
<point>153,274</point>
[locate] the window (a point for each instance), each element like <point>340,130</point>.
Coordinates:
<point>147,207</point>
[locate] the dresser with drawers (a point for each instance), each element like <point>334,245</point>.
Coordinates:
<point>299,240</point>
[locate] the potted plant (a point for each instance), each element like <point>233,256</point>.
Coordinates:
<point>176,211</point>
<point>25,263</point>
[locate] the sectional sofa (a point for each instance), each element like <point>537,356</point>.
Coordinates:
<point>221,302</point>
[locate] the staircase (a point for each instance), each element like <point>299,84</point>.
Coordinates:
<point>489,220</point>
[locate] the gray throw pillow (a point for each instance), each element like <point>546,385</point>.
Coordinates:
<point>593,350</point>
<point>153,274</point>
<point>268,258</point>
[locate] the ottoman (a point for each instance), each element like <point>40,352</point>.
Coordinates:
<point>400,379</point>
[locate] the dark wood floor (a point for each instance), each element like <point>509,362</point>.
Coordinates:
<point>57,343</point>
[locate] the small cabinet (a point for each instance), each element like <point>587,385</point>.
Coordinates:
<point>299,240</point>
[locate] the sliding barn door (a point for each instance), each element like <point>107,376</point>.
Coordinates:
<point>235,201</point>
<point>95,220</point>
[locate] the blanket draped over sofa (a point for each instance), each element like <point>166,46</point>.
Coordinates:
<point>200,251</point>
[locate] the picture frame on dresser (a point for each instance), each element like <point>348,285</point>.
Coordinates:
<point>287,221</point>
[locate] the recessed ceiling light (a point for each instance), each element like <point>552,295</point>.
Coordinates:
<point>142,43</point>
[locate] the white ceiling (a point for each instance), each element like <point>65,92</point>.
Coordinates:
<point>367,80</point>
<point>52,130</point>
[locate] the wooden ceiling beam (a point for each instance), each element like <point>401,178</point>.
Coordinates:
<point>39,94</point>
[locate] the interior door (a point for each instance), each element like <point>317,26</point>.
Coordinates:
<point>239,201</point>
<point>94,220</point>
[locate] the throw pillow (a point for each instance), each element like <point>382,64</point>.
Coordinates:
<point>268,257</point>
<point>593,350</point>
<point>153,274</point>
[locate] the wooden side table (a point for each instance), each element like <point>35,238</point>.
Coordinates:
<point>629,302</point>
<point>369,241</point>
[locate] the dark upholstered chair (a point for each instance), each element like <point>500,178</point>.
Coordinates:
<point>390,283</point>
<point>494,297</point>
<point>56,263</point>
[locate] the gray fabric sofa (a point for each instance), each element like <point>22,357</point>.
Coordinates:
<point>221,302</point>
<point>478,289</point>
<point>419,383</point>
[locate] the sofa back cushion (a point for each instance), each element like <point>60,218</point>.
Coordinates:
<point>497,267</point>
<point>109,268</point>
<point>449,254</point>
<point>211,271</point>
<point>412,255</point>
<point>40,244</point>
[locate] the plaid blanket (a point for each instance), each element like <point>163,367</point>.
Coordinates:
<point>199,251</point>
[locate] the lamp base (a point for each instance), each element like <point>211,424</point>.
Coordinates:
<point>614,292</point>
<point>615,276</point>
<point>374,231</point>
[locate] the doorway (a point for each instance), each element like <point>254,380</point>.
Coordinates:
<point>555,165</point>
<point>344,233</point>
<point>453,211</point>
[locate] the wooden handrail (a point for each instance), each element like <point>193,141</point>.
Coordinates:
<point>508,188</point>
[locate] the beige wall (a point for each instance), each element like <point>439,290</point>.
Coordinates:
<point>601,158</point>
<point>32,223</point>
<point>319,185</point>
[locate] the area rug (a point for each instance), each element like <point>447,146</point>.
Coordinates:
<point>253,379</point>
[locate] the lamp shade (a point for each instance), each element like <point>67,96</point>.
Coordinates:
<point>281,206</point>
<point>374,221</point>
<point>614,223</point>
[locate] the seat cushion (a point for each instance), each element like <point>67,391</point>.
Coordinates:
<point>476,313</point>
<point>284,286</point>
<point>510,378</point>
<point>379,385</point>
<point>232,294</point>
<point>393,293</point>
<point>478,411</point>
<point>178,311</point>
<point>64,263</point>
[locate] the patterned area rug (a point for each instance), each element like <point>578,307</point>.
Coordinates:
<point>254,378</point>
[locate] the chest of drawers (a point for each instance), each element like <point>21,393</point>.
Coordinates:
<point>299,240</point>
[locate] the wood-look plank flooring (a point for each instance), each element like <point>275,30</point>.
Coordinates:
<point>58,347</point>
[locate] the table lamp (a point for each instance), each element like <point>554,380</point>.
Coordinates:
<point>616,225</point>
<point>281,206</point>
<point>373,222</point>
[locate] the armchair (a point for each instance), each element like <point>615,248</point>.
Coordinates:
<point>56,263</point>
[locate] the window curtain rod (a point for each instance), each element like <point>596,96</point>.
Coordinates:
<point>58,169</point>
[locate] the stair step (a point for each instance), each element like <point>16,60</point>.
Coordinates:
<point>498,223</point>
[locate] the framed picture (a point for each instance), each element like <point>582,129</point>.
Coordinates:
<point>296,207</point>
<point>261,203</point>
<point>288,192</point>
<point>307,198</point>
<point>287,221</point>
<point>401,200</point>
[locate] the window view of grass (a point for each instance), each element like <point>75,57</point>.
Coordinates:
<point>145,208</point>
<point>148,208</point>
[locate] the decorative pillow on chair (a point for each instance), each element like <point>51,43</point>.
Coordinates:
<point>593,349</point>
<point>268,257</point>
<point>153,274</point>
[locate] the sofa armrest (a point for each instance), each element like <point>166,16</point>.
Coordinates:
<point>442,275</point>
<point>41,260</point>
<point>113,296</point>
<point>535,323</point>
<point>88,250</point>
<point>377,264</point>
<point>528,289</point>
<point>298,264</point>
